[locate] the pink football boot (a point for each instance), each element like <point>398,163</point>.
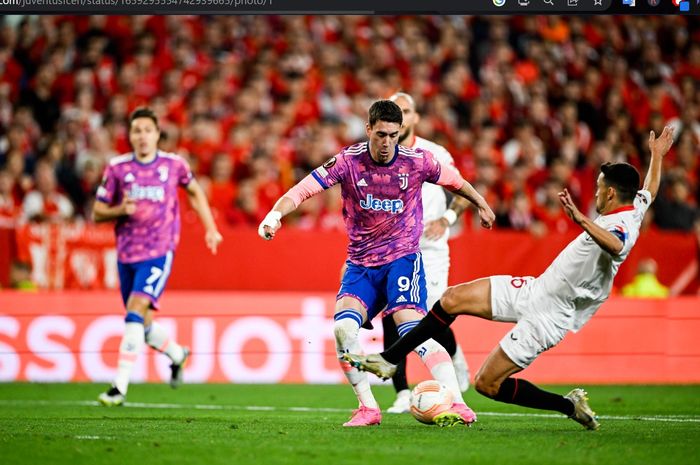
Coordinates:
<point>458,414</point>
<point>365,416</point>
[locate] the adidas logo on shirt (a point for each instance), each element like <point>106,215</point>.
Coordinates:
<point>129,177</point>
<point>362,183</point>
<point>401,300</point>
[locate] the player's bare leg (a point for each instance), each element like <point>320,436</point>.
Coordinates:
<point>472,298</point>
<point>494,381</point>
<point>350,314</point>
<point>496,368</point>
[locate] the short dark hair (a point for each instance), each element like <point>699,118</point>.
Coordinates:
<point>623,177</point>
<point>143,112</point>
<point>385,110</point>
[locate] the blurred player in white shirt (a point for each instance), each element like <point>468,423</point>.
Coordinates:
<point>562,299</point>
<point>437,218</point>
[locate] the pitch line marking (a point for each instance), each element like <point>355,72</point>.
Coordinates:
<point>266,408</point>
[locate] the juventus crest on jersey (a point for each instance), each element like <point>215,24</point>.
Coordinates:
<point>384,211</point>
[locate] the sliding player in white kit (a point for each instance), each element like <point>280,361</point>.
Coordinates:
<point>437,218</point>
<point>562,299</point>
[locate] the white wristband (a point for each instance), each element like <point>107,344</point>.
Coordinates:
<point>272,217</point>
<point>271,220</point>
<point>450,215</point>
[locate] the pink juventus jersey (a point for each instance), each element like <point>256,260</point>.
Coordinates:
<point>154,229</point>
<point>381,203</point>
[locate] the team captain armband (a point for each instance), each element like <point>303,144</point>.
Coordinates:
<point>450,178</point>
<point>306,188</point>
<point>620,232</point>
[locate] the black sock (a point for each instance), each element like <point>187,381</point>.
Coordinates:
<point>447,340</point>
<point>399,378</point>
<point>521,392</point>
<point>436,321</point>
<point>391,335</point>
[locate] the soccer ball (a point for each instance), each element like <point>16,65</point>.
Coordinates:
<point>429,399</point>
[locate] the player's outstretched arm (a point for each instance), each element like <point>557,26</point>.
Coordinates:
<point>605,239</point>
<point>659,147</point>
<point>286,204</point>
<point>455,183</point>
<point>200,204</point>
<point>271,223</point>
<point>103,212</point>
<point>486,215</point>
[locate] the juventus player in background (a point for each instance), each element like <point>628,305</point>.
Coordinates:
<point>139,193</point>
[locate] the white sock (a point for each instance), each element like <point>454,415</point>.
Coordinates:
<point>130,348</point>
<point>438,361</point>
<point>346,340</point>
<point>158,338</point>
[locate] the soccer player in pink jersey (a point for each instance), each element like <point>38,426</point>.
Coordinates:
<point>561,299</point>
<point>139,192</point>
<point>381,190</point>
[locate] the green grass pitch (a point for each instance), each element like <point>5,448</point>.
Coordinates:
<point>295,424</point>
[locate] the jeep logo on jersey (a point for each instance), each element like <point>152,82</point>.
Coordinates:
<point>403,178</point>
<point>154,193</point>
<point>387,205</point>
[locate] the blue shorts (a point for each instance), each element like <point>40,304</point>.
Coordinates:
<point>395,286</point>
<point>146,278</point>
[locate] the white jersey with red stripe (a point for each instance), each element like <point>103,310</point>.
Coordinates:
<point>581,277</point>
<point>434,203</point>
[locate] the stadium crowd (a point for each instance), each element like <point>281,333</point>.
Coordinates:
<point>526,105</point>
